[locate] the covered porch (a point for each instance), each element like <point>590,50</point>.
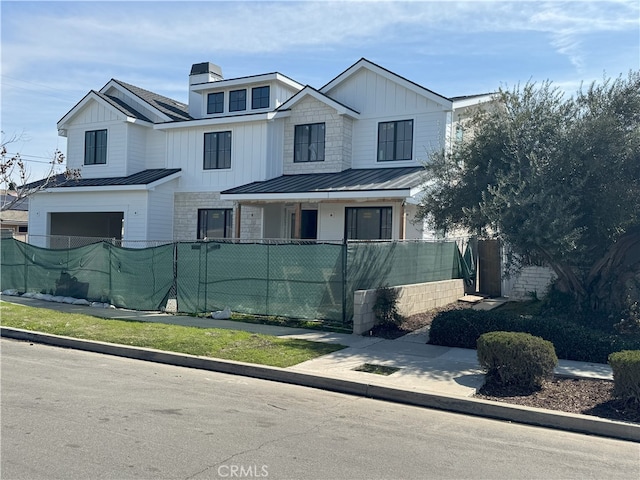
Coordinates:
<point>355,204</point>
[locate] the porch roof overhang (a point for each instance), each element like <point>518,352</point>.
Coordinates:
<point>351,185</point>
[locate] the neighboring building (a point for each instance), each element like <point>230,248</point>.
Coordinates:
<point>14,220</point>
<point>254,157</point>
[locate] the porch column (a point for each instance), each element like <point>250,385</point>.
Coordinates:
<point>237,219</point>
<point>403,222</point>
<point>298,222</point>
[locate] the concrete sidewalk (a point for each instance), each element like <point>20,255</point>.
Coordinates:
<point>428,375</point>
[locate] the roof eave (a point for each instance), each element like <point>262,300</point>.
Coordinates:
<point>350,195</point>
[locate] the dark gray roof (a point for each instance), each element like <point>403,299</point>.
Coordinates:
<point>21,205</point>
<point>175,110</point>
<point>141,178</point>
<point>123,107</point>
<point>467,97</point>
<point>348,180</point>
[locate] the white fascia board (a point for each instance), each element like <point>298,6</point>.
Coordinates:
<point>137,121</point>
<point>82,103</point>
<point>246,82</point>
<point>363,63</point>
<point>333,195</point>
<point>308,91</point>
<point>204,122</point>
<point>467,102</point>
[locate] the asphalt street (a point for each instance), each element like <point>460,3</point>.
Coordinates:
<point>77,415</point>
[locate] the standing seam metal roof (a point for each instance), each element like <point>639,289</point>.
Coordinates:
<point>347,180</point>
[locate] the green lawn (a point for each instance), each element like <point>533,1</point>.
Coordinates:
<point>208,342</point>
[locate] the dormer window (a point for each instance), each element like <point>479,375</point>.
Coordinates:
<point>260,97</point>
<point>95,147</point>
<point>215,102</point>
<point>237,100</point>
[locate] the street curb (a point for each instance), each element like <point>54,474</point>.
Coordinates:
<point>470,406</point>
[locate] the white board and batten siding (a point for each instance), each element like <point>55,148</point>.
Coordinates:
<point>249,152</point>
<point>380,99</point>
<point>131,148</point>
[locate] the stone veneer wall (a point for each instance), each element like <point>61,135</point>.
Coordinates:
<point>186,205</point>
<point>251,222</point>
<point>412,299</point>
<point>337,141</point>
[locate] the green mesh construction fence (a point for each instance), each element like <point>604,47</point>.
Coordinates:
<point>311,280</point>
<point>133,278</point>
<point>301,281</point>
<point>375,264</point>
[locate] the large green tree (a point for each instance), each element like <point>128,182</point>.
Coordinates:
<point>555,177</point>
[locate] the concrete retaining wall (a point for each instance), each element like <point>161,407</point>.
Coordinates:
<point>412,299</point>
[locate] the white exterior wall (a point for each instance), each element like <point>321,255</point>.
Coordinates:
<point>96,117</point>
<point>331,218</point>
<point>133,204</point>
<point>155,149</point>
<point>160,218</point>
<point>379,99</point>
<point>136,148</point>
<point>185,149</point>
<point>337,155</point>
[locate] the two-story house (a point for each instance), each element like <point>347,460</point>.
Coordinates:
<point>257,157</point>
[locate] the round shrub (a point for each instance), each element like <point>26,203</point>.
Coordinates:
<point>516,359</point>
<point>626,375</point>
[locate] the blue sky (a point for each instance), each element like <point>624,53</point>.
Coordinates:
<point>54,52</point>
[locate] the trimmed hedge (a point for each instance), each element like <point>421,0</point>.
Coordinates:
<point>626,375</point>
<point>516,358</point>
<point>462,328</point>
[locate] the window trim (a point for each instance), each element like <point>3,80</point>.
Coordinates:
<point>216,163</point>
<point>261,98</point>
<point>91,156</point>
<point>228,222</point>
<point>395,141</point>
<point>210,104</point>
<point>235,101</point>
<point>306,146</point>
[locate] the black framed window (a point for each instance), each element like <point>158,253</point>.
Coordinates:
<point>395,140</point>
<point>308,143</point>
<point>260,97</point>
<point>95,147</point>
<point>368,223</point>
<point>215,102</point>
<point>217,150</point>
<point>237,100</point>
<point>215,223</point>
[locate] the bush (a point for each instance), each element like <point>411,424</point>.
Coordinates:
<point>572,341</point>
<point>516,359</point>
<point>626,375</point>
<point>385,307</point>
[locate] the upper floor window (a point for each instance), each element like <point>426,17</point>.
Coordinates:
<point>368,223</point>
<point>95,147</point>
<point>309,143</point>
<point>260,97</point>
<point>395,140</point>
<point>237,100</point>
<point>217,150</point>
<point>215,223</point>
<point>215,102</point>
